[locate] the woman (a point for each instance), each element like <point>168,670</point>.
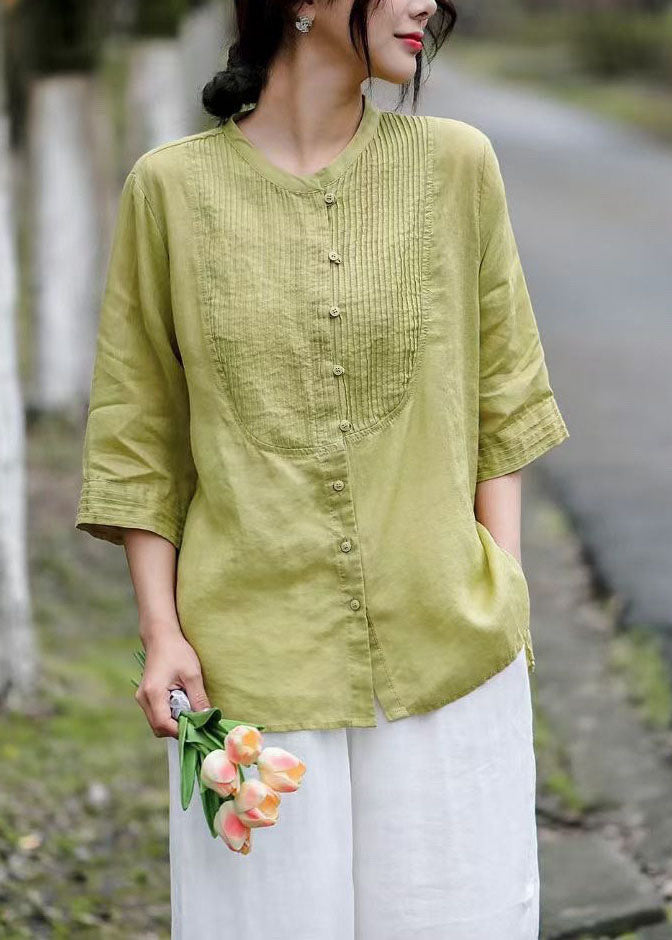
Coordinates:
<point>317,379</point>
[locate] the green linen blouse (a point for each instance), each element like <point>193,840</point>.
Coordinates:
<point>298,381</point>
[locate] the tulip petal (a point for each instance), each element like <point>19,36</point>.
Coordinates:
<point>232,829</point>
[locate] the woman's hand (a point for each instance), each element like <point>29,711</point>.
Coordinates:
<point>170,663</point>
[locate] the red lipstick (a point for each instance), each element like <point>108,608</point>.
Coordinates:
<point>412,40</point>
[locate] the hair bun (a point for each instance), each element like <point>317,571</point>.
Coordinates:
<point>228,90</point>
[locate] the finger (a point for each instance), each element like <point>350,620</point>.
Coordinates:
<point>141,699</point>
<point>196,693</point>
<point>163,724</point>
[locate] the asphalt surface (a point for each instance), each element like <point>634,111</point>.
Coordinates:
<point>591,205</point>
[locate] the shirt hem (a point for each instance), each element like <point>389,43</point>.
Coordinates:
<point>424,707</point>
<point>395,713</point>
<point>318,724</point>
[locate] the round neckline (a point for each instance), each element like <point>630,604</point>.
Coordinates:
<point>307,181</point>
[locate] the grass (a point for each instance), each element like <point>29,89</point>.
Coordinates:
<point>83,792</point>
<point>83,789</point>
<point>638,656</point>
<point>556,782</point>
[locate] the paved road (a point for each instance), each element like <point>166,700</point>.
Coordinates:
<point>591,204</point>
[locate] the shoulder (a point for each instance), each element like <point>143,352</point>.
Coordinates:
<point>448,134</point>
<point>460,150</point>
<point>166,168</point>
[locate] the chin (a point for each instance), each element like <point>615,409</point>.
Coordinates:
<point>397,73</point>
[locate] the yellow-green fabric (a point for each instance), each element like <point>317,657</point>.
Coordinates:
<point>299,380</point>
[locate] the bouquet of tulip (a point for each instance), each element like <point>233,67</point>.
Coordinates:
<point>214,750</point>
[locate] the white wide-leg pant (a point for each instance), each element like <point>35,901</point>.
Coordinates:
<point>421,828</point>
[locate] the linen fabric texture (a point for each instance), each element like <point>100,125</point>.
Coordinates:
<point>299,381</point>
<point>422,828</point>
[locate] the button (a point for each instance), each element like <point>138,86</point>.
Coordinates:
<point>338,370</point>
<point>334,312</point>
<point>329,198</point>
<point>354,603</point>
<point>334,256</point>
<point>346,545</point>
<point>338,485</point>
<point>344,425</point>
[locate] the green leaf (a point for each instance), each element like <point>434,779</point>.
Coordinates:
<point>199,733</point>
<point>182,731</point>
<point>229,723</point>
<point>188,775</point>
<point>198,719</point>
<point>199,739</point>
<point>214,742</point>
<point>211,803</point>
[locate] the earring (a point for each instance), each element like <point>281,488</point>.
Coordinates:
<point>303,24</point>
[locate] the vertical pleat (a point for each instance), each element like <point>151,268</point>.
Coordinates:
<point>380,211</point>
<point>268,284</point>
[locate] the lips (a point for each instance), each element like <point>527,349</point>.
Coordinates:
<point>413,41</point>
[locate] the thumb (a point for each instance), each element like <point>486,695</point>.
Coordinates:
<point>196,693</point>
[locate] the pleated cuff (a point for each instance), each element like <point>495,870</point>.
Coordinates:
<point>522,440</point>
<point>107,507</point>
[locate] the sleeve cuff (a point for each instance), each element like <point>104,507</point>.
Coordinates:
<point>529,436</point>
<point>107,507</point>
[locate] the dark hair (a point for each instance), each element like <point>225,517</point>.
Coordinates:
<point>262,26</point>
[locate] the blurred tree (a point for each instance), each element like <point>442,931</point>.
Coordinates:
<point>66,35</point>
<point>156,102</point>
<point>63,109</point>
<point>636,41</point>
<point>18,656</point>
<point>15,67</point>
<point>584,6</point>
<point>482,17</point>
<point>204,34</point>
<point>160,17</point>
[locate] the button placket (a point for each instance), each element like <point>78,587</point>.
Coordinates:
<point>336,469</point>
<point>347,544</point>
<point>334,310</point>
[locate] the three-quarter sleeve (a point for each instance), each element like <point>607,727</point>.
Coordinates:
<point>519,418</point>
<point>137,468</point>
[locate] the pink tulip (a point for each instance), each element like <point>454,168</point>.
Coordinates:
<point>280,769</point>
<point>256,803</point>
<point>219,773</point>
<point>232,829</point>
<point>243,744</point>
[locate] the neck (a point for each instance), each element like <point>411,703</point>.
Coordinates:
<point>306,113</point>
